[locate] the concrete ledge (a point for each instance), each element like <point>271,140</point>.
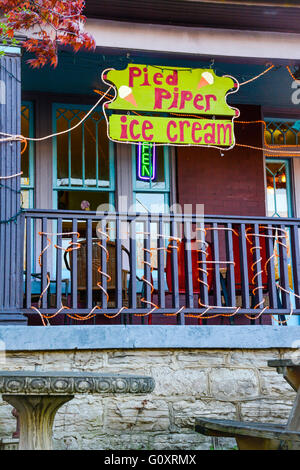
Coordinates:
<point>211,42</point>
<point>40,338</point>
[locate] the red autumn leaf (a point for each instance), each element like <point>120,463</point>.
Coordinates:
<point>55,22</point>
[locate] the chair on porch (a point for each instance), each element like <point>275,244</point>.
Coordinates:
<point>251,267</point>
<point>196,274</point>
<point>36,288</point>
<point>97,256</point>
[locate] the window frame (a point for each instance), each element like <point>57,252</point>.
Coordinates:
<point>167,176</point>
<point>285,161</point>
<point>289,160</point>
<point>282,120</point>
<point>110,189</point>
<point>31,154</point>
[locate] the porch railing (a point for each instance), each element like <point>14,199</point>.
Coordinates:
<point>180,268</point>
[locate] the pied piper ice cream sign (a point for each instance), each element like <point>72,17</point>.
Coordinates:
<point>175,106</point>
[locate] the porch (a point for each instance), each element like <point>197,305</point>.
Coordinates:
<point>61,262</point>
<point>112,268</point>
<point>198,302</point>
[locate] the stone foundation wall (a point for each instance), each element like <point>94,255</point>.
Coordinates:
<point>232,384</point>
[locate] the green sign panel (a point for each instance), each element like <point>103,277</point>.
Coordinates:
<point>168,93</point>
<point>171,130</point>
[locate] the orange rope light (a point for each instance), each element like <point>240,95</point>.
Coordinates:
<point>279,235</point>
<point>101,93</point>
<point>265,143</point>
<point>72,246</point>
<point>172,247</point>
<point>205,271</point>
<point>257,76</point>
<point>149,283</point>
<point>291,74</point>
<point>25,146</point>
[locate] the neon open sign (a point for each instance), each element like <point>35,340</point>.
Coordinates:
<point>146,161</point>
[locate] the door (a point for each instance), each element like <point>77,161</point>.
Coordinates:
<point>279,204</point>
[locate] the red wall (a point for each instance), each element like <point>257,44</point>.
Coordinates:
<point>229,185</point>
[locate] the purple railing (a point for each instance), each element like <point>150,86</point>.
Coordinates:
<point>140,268</point>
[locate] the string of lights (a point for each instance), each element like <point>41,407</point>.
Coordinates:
<point>291,74</point>
<point>14,217</point>
<point>273,149</point>
<point>279,236</point>
<point>10,137</point>
<point>257,76</point>
<point>71,247</point>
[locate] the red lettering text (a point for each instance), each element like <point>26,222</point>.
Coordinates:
<point>161,94</point>
<point>134,72</point>
<point>147,125</point>
<point>146,82</point>
<point>174,103</point>
<point>196,127</point>
<point>210,138</point>
<point>156,77</point>
<point>133,123</point>
<point>196,100</point>
<point>207,101</point>
<point>185,96</point>
<point>123,128</point>
<point>174,138</point>
<point>172,79</point>
<point>224,128</point>
<point>182,124</point>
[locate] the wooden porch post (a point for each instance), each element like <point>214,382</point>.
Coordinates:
<point>11,217</point>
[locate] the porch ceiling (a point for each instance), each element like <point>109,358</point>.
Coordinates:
<point>81,74</point>
<point>247,15</point>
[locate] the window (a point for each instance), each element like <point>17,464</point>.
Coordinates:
<point>153,194</point>
<point>27,158</point>
<point>282,132</point>
<point>278,188</point>
<point>83,160</point>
